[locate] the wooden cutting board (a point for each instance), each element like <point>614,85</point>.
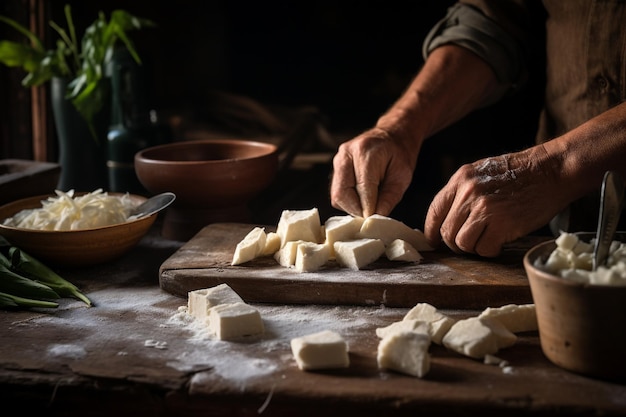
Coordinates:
<point>443,279</point>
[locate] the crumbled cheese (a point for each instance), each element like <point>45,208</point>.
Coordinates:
<point>573,259</point>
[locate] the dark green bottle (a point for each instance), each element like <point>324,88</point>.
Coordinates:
<point>134,124</point>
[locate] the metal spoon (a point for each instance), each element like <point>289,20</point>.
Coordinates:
<point>152,205</point>
<point>610,208</point>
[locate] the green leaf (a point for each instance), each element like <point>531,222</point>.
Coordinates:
<point>15,284</point>
<point>10,301</point>
<point>84,62</point>
<point>31,267</point>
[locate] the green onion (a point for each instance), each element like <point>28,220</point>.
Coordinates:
<point>15,284</point>
<point>29,266</point>
<point>13,301</point>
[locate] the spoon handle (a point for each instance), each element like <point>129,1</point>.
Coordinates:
<point>610,209</point>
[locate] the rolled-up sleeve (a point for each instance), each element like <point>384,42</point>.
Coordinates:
<point>468,27</point>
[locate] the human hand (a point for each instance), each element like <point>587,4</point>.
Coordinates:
<point>371,173</point>
<point>494,201</point>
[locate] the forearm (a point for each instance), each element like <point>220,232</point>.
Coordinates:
<point>452,83</point>
<point>585,153</point>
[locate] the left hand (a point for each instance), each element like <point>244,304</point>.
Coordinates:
<point>496,200</point>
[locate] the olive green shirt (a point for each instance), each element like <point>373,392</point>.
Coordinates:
<point>583,43</point>
<point>581,46</point>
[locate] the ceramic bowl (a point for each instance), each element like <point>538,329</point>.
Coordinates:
<point>74,248</point>
<point>582,327</point>
<point>213,179</point>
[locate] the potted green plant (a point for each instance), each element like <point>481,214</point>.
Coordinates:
<point>76,69</point>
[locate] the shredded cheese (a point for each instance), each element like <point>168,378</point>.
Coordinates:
<point>66,212</point>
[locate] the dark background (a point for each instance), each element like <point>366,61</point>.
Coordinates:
<point>346,61</point>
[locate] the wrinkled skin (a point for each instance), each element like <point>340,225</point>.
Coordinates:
<point>376,171</point>
<point>487,203</point>
<point>493,201</point>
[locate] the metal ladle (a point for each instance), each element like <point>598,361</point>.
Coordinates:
<point>153,205</point>
<point>611,200</point>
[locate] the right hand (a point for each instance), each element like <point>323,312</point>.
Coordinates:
<point>371,172</point>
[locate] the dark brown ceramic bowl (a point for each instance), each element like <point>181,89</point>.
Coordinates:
<point>74,248</point>
<point>581,326</point>
<point>213,179</point>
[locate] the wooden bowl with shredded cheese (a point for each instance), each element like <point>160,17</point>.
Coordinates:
<point>581,315</point>
<point>82,245</point>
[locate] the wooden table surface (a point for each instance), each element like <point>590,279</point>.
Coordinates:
<point>135,353</point>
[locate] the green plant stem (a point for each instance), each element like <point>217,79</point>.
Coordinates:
<point>31,267</point>
<point>13,301</point>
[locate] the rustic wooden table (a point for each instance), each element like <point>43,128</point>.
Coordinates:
<point>135,354</point>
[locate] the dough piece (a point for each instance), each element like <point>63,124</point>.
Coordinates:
<point>300,225</point>
<point>252,245</point>
<point>476,337</point>
<point>321,350</point>
<point>233,321</point>
<point>272,244</point>
<point>401,250</point>
<point>416,326</point>
<point>405,352</point>
<point>311,256</point>
<point>356,254</point>
<point>516,318</point>
<point>286,256</point>
<point>341,228</point>
<point>388,230</point>
<point>439,322</point>
<point>199,302</point>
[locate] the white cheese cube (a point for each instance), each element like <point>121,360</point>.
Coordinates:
<point>567,241</point>
<point>388,229</point>
<point>311,256</point>
<point>340,228</point>
<point>286,256</point>
<point>272,244</point>
<point>321,350</point>
<point>476,337</point>
<point>416,326</point>
<point>300,225</point>
<point>405,352</point>
<point>233,321</point>
<point>356,254</point>
<point>252,245</point>
<point>199,302</point>
<point>516,318</point>
<point>439,322</point>
<point>401,250</point>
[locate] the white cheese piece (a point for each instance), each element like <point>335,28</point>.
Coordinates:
<point>516,318</point>
<point>401,250</point>
<point>476,337</point>
<point>236,320</point>
<point>311,256</point>
<point>417,326</point>
<point>199,302</point>
<point>494,360</point>
<point>358,253</point>
<point>388,229</point>
<point>405,352</point>
<point>439,322</point>
<point>321,350</point>
<point>341,228</point>
<point>251,246</point>
<point>286,256</point>
<point>300,225</point>
<point>272,244</point>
